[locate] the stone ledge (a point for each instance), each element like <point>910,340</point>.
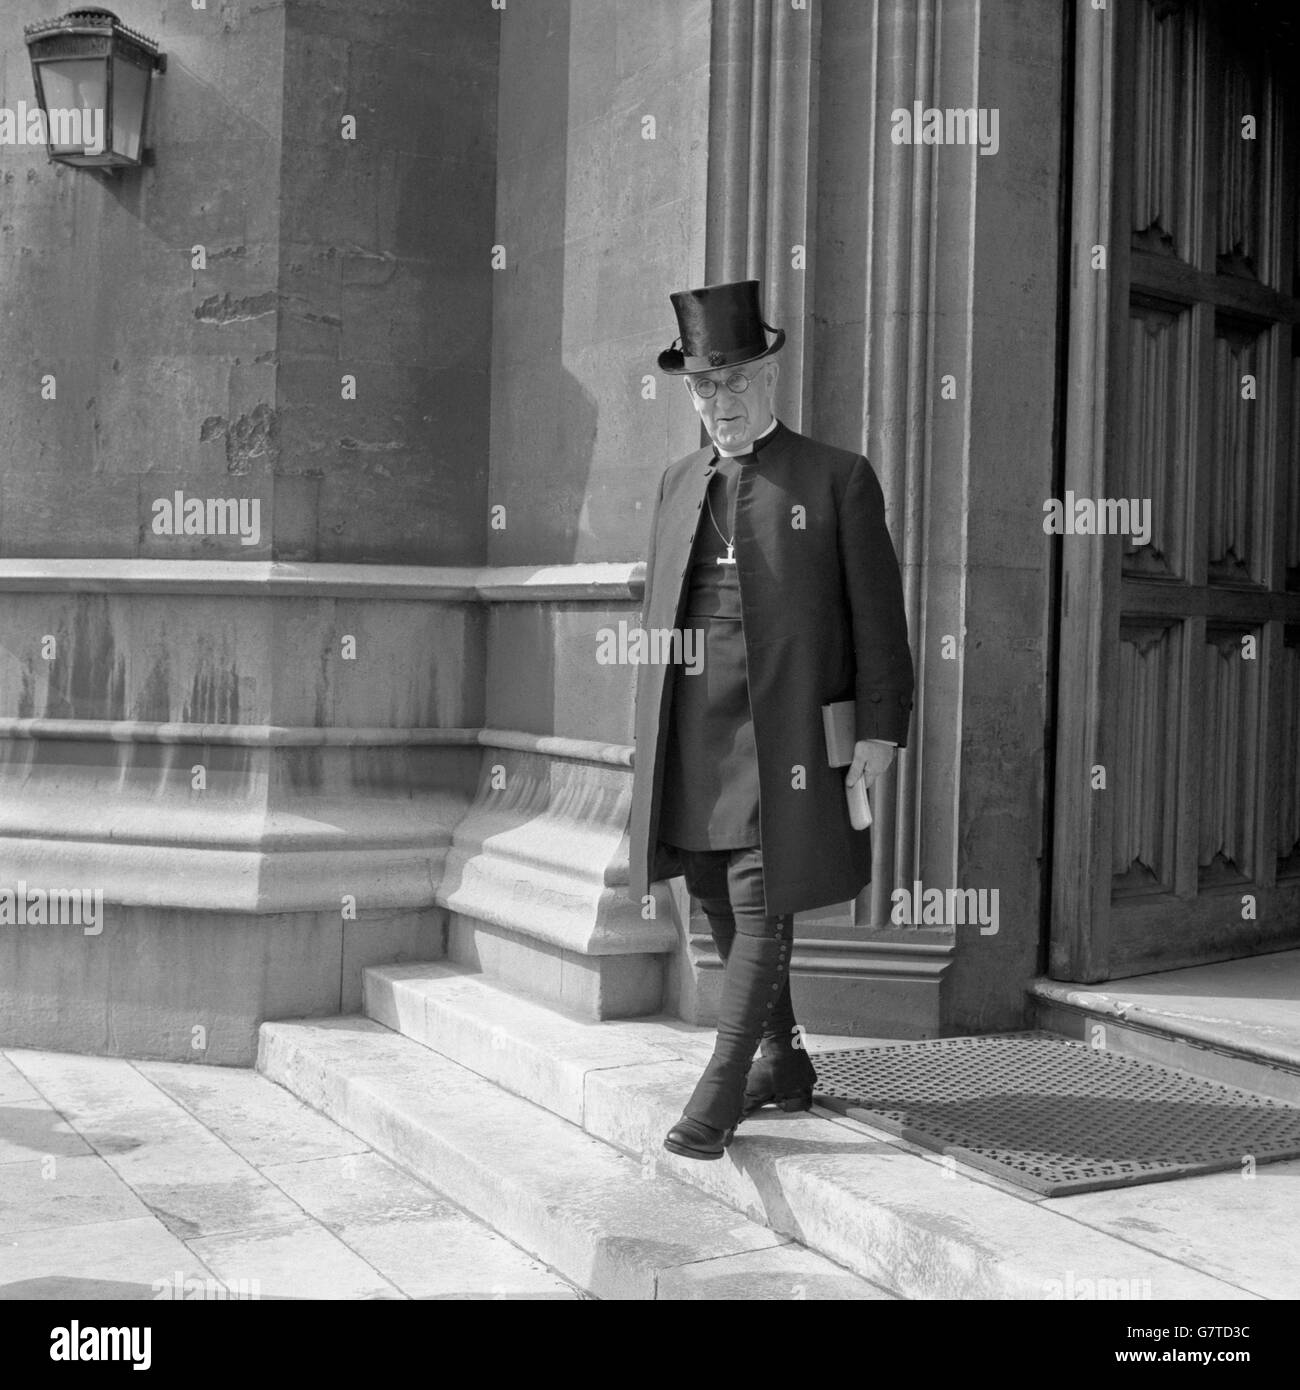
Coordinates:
<point>234,735</point>
<point>1234,1022</point>
<point>545,857</point>
<point>581,583</point>
<point>310,736</point>
<point>1225,1005</point>
<point>227,853</point>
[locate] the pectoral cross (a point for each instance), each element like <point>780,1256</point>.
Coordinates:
<point>730,557</point>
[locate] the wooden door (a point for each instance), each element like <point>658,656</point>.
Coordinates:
<point>1176,829</point>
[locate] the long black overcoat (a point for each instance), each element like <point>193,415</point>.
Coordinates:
<point>822,606</point>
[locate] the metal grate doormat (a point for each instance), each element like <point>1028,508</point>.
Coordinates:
<point>1053,1115</point>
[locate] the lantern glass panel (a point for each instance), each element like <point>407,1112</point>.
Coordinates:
<point>130,90</point>
<point>75,85</point>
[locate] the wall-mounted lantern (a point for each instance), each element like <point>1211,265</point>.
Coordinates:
<point>93,76</point>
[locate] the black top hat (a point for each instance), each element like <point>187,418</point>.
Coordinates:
<point>720,326</point>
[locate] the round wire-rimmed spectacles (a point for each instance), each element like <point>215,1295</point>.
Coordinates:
<point>706,388</point>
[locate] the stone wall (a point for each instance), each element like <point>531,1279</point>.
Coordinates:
<point>385,274</point>
<point>256,753</point>
<point>165,375</point>
<point>324,256</point>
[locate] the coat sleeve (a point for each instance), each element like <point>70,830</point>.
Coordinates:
<point>656,860</point>
<point>650,548</point>
<point>874,589</point>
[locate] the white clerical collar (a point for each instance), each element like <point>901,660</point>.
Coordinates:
<point>749,448</point>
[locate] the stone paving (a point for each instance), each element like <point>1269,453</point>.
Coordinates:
<point>138,1180</point>
<point>150,1180</point>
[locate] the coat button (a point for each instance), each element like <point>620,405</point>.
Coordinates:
<point>875,699</point>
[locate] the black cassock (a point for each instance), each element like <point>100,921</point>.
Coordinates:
<point>710,792</point>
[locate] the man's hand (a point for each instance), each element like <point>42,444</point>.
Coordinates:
<point>871,757</point>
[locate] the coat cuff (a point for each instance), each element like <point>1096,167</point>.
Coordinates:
<point>884,715</point>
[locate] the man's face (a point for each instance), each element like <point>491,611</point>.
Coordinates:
<point>734,419</point>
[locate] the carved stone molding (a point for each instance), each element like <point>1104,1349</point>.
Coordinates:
<point>762,169</point>
<point>581,583</point>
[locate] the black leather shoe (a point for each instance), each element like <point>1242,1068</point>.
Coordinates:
<point>783,1080</point>
<point>694,1139</point>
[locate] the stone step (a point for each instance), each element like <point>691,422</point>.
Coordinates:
<point>1236,1022</point>
<point>903,1218</point>
<point>115,1175</point>
<point>616,1227</point>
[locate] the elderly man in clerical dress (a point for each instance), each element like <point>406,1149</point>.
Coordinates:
<point>774,548</point>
